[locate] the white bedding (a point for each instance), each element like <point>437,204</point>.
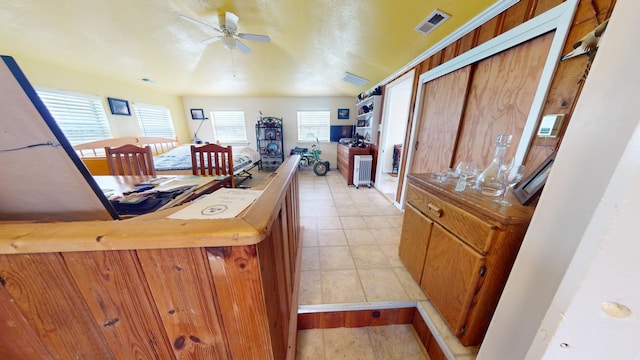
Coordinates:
<point>180,159</point>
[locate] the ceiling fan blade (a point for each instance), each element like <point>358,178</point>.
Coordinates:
<point>198,22</point>
<point>254,37</point>
<point>231,21</point>
<point>212,40</point>
<point>242,47</point>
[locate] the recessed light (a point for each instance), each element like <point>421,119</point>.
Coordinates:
<point>151,81</point>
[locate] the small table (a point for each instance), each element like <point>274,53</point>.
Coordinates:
<point>114,186</point>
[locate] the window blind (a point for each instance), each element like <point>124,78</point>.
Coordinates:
<point>313,125</point>
<point>154,120</point>
<point>229,126</point>
<point>81,117</point>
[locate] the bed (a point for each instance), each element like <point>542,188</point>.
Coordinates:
<point>169,156</point>
<point>178,160</point>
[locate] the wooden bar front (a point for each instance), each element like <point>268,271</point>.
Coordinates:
<point>155,288</point>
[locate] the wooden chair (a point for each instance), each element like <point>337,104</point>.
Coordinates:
<point>212,159</point>
<point>130,160</point>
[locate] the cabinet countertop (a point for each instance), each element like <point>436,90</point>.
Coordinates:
<point>473,201</point>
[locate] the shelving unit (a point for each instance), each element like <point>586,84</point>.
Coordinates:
<point>269,139</point>
<point>369,118</point>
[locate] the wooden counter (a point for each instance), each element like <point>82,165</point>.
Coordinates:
<point>155,288</point>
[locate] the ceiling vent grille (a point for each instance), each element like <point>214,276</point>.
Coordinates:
<point>354,79</point>
<point>432,21</point>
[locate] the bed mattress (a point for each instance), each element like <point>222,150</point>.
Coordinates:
<point>180,159</point>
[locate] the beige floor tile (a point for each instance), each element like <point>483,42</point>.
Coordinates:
<point>348,210</point>
<point>309,222</point>
<point>348,344</point>
<point>395,220</point>
<point>411,287</point>
<point>326,211</point>
<point>396,342</point>
<point>377,222</point>
<point>341,286</point>
<point>329,223</point>
<point>331,238</point>
<point>382,285</point>
<point>391,252</point>
<point>309,237</point>
<point>310,288</point>
<point>310,258</point>
<point>368,257</point>
<point>335,258</point>
<point>387,236</point>
<point>353,222</point>
<point>310,345</point>
<point>360,237</point>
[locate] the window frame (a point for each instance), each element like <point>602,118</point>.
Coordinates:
<point>325,134</point>
<point>154,114</point>
<point>216,132</point>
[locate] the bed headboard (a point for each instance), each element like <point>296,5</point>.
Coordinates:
<point>158,145</point>
<point>93,156</point>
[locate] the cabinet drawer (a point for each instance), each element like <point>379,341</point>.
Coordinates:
<point>475,232</point>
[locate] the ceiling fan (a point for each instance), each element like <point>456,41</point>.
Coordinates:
<point>229,33</point>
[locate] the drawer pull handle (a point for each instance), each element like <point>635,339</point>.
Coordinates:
<point>434,209</point>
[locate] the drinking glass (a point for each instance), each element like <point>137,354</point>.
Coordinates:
<point>509,177</point>
<point>467,168</point>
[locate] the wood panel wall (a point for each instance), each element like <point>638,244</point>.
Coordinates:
<point>568,79</point>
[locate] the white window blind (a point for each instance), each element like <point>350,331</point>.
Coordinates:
<point>229,126</point>
<point>154,120</point>
<point>313,125</point>
<point>81,117</point>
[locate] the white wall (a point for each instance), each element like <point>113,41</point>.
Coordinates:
<point>279,107</point>
<point>581,248</point>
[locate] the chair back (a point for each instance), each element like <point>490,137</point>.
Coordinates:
<point>212,159</point>
<point>130,160</point>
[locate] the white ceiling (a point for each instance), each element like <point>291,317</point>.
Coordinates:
<point>312,42</point>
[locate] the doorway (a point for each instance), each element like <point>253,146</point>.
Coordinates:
<point>395,117</point>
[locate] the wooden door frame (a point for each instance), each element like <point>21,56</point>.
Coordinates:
<point>559,19</point>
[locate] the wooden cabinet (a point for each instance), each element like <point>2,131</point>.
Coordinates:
<point>460,247</point>
<point>345,160</point>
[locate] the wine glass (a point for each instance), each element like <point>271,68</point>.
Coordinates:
<point>467,168</point>
<point>509,176</point>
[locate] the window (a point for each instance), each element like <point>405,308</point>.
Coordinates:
<point>229,126</point>
<point>80,117</point>
<point>313,125</point>
<point>154,120</point>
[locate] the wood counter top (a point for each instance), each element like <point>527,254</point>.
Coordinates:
<point>151,231</point>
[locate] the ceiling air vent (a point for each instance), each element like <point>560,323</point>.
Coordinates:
<point>432,21</point>
<point>354,79</point>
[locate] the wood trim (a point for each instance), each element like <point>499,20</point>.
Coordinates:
<point>356,318</point>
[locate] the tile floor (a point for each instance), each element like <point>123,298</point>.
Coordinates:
<point>350,243</point>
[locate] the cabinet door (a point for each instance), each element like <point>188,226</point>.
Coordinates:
<point>450,277</point>
<point>414,239</point>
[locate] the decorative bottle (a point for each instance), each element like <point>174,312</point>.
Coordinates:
<point>488,182</point>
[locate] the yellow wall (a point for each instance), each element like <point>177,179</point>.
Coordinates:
<point>41,74</point>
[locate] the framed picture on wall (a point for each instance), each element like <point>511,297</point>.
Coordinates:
<point>119,107</point>
<point>343,114</point>
<point>197,114</point>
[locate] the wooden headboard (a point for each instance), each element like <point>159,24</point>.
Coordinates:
<point>92,152</point>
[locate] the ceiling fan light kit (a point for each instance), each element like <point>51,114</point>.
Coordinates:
<point>229,33</point>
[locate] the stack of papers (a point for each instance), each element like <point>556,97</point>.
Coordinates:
<point>222,204</point>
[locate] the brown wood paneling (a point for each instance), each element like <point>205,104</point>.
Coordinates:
<point>355,318</point>
<point>516,15</point>
<point>20,340</point>
<point>427,338</point>
<point>499,103</point>
<point>545,5</point>
<point>490,29</point>
<point>63,322</point>
<point>116,292</point>
<point>442,108</point>
<point>242,306</point>
<point>467,42</point>
<point>181,285</point>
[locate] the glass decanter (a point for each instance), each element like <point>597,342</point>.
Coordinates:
<point>489,182</point>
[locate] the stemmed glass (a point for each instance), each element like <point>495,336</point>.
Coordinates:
<point>509,177</point>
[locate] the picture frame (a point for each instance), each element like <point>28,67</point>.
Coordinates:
<point>197,114</point>
<point>343,114</point>
<point>119,107</point>
<point>531,187</point>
